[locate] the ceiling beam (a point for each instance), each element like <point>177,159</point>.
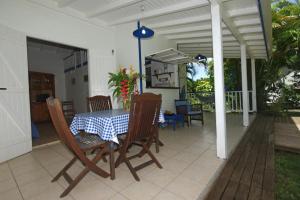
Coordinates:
<point>207,48</point>
<point>247,22</point>
<point>233,28</point>
<point>248,37</point>
<point>189,35</point>
<point>244,11</point>
<point>176,22</point>
<point>207,39</point>
<point>198,34</point>
<point>207,44</point>
<point>64,3</point>
<point>257,47</point>
<point>252,29</point>
<point>257,42</point>
<point>111,7</point>
<point>191,4</point>
<point>184,30</point>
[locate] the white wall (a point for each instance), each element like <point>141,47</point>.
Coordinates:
<point>48,62</point>
<point>47,24</point>
<point>78,91</point>
<point>127,54</point>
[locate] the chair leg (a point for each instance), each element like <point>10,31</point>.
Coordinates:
<point>131,169</point>
<point>75,182</point>
<point>152,156</point>
<point>93,167</point>
<point>64,169</point>
<point>157,142</point>
<point>112,161</point>
<point>104,159</point>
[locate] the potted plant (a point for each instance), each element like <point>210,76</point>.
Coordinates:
<point>124,85</point>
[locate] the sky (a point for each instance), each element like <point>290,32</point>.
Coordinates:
<point>201,72</point>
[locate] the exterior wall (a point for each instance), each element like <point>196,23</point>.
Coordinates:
<point>127,54</point>
<point>42,61</point>
<point>44,23</point>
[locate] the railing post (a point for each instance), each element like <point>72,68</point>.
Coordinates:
<point>245,85</point>
<point>253,76</point>
<point>221,131</point>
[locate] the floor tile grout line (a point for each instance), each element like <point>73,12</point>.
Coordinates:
<point>51,174</point>
<point>11,171</point>
<point>165,187</point>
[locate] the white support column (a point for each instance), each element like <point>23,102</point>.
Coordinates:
<point>219,79</point>
<point>253,76</point>
<point>245,85</point>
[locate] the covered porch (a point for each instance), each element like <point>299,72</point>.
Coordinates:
<point>188,158</point>
<point>192,156</point>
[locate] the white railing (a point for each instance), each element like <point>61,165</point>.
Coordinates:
<point>233,100</point>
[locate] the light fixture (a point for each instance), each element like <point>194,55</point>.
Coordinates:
<point>143,32</point>
<point>200,57</point>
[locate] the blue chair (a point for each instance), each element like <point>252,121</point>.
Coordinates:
<point>189,111</point>
<point>173,119</point>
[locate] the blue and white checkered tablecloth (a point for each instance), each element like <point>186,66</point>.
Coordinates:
<point>107,124</point>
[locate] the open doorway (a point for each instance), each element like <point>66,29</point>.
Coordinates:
<point>56,70</point>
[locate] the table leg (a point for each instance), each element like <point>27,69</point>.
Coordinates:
<point>112,160</point>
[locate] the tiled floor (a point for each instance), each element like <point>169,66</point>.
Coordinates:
<point>188,159</point>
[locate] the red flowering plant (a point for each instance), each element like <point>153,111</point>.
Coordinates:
<point>124,85</point>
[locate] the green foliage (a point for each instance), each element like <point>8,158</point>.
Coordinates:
<point>115,81</point>
<point>286,33</point>
<point>287,176</point>
<point>203,85</point>
<point>286,44</point>
<point>231,74</point>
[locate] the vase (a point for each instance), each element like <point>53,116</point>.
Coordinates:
<point>126,105</point>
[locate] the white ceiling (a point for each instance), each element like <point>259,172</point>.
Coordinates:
<point>187,22</point>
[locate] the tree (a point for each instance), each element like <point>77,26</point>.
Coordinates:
<point>285,53</point>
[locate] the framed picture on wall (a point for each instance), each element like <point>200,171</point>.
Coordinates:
<point>161,74</point>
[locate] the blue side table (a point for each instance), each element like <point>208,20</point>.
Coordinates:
<point>173,119</point>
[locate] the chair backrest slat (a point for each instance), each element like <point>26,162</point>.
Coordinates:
<point>143,118</point>
<point>98,103</point>
<point>68,108</point>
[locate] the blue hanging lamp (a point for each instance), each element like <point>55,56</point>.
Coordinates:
<point>141,33</point>
<point>200,57</point>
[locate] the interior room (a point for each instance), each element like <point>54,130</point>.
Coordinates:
<point>54,70</point>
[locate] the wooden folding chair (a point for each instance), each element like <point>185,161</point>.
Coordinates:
<point>142,129</point>
<point>98,103</point>
<point>68,110</point>
<point>79,145</point>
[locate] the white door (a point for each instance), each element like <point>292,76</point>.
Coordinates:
<point>15,126</point>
